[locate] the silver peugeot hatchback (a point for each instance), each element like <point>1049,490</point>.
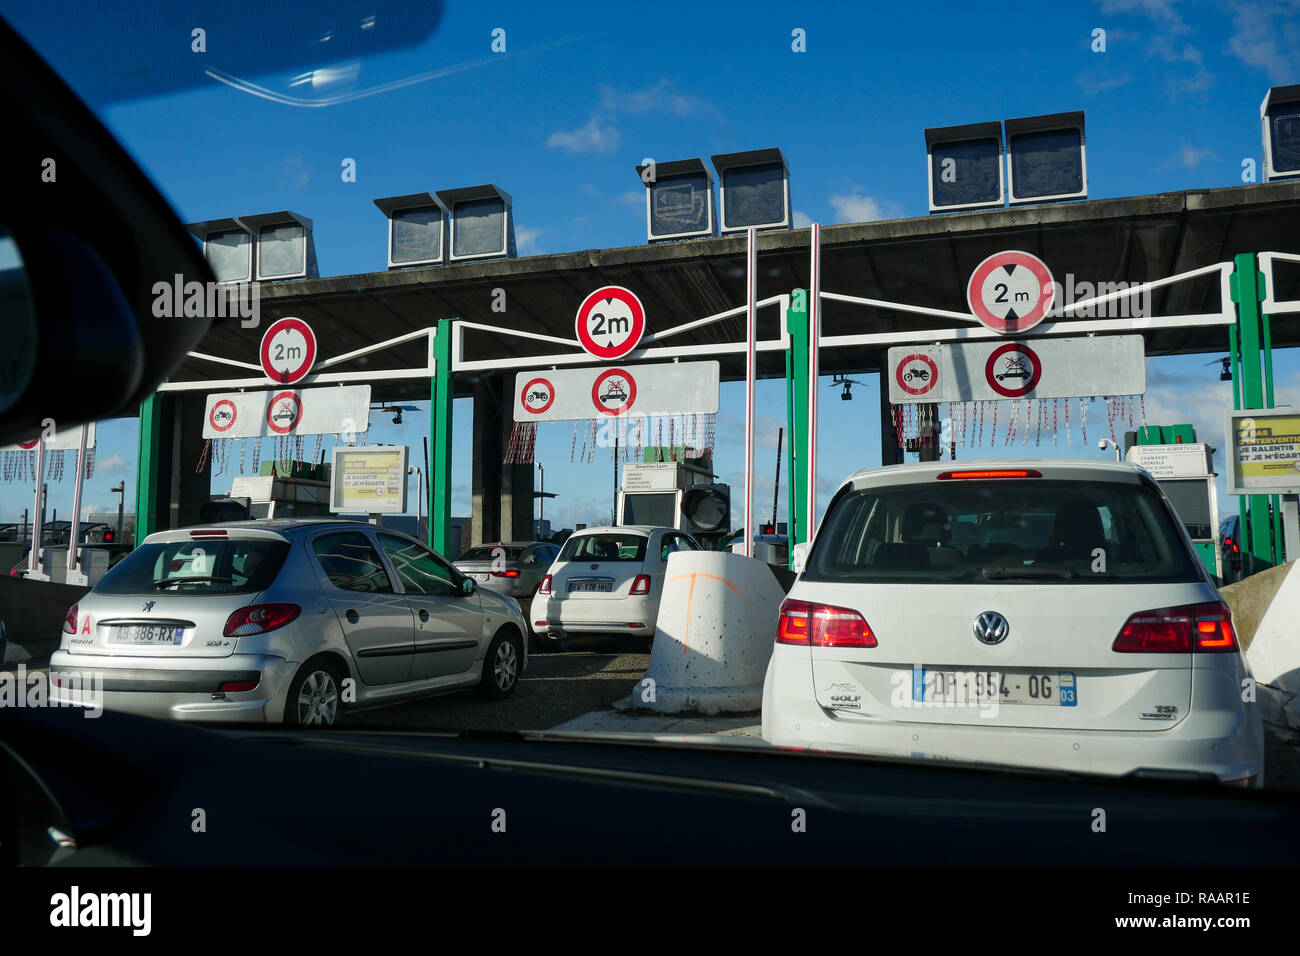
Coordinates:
<point>284,621</point>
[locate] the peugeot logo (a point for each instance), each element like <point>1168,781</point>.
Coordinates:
<point>595,566</point>
<point>991,628</point>
<point>148,606</point>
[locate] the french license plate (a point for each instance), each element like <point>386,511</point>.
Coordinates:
<point>1037,687</point>
<point>596,586</point>
<point>146,634</point>
<point>483,577</point>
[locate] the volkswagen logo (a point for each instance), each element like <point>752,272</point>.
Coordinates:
<point>991,628</point>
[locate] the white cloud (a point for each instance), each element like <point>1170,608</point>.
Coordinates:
<point>597,136</point>
<point>1267,37</point>
<point>662,97</point>
<point>1191,157</point>
<point>110,465</point>
<point>633,197</point>
<point>526,241</point>
<point>1101,79</point>
<point>802,220</point>
<point>855,207</point>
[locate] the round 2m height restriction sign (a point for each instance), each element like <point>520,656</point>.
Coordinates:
<point>1010,292</point>
<point>610,322</point>
<point>288,351</point>
<point>613,392</point>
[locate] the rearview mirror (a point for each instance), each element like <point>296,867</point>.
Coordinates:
<point>467,586</point>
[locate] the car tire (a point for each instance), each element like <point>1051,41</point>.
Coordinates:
<point>320,679</point>
<point>501,666</point>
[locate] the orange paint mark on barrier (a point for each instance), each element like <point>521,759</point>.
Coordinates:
<point>690,598</point>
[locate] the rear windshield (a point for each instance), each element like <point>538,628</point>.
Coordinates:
<point>1001,531</point>
<point>604,547</point>
<point>487,552</point>
<point>210,566</point>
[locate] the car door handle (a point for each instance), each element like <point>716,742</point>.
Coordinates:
<point>424,615</point>
<point>352,616</point>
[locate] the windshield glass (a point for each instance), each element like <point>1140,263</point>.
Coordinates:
<point>665,298</point>
<point>1001,531</point>
<point>196,568</point>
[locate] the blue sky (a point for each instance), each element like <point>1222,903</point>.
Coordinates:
<point>585,91</point>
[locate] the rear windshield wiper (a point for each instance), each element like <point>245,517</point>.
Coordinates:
<point>1000,573</point>
<point>163,582</point>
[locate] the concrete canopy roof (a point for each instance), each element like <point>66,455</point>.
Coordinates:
<point>923,261</point>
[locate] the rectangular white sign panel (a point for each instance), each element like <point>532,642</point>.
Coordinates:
<point>1190,460</point>
<point>651,476</point>
<point>288,411</point>
<point>1017,368</point>
<point>62,440</point>
<point>670,388</point>
<point>370,479</point>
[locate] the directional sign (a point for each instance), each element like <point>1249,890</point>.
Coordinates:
<point>1010,292</point>
<point>1047,367</point>
<point>667,388</point>
<point>288,351</point>
<point>614,392</point>
<point>610,322</point>
<point>335,410</point>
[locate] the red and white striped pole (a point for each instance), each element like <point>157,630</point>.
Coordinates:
<point>814,367</point>
<point>751,337</point>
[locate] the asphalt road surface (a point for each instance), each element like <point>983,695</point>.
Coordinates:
<point>591,674</point>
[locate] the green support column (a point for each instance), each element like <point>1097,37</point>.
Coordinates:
<point>147,477</point>
<point>440,420</point>
<point>796,391</point>
<point>1247,286</point>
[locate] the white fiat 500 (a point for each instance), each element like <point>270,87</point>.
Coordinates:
<point>1036,613</point>
<point>606,580</point>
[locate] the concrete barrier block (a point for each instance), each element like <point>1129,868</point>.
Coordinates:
<point>717,621</point>
<point>1274,652</point>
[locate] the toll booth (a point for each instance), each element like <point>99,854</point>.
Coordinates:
<point>1185,473</point>
<point>675,494</point>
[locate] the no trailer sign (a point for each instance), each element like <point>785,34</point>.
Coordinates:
<point>610,322</point>
<point>1010,292</point>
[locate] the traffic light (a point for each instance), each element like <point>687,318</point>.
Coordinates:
<point>706,508</point>
<point>110,537</point>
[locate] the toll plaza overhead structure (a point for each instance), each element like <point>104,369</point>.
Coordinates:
<point>463,330</point>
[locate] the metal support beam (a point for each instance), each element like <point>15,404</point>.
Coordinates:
<point>796,391</point>
<point>149,473</point>
<point>440,421</point>
<point>1247,285</point>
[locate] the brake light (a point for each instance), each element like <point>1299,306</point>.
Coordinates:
<point>545,586</point>
<point>641,584</point>
<point>1233,545</point>
<point>259,619</point>
<point>1192,628</point>
<point>822,625</point>
<point>999,473</point>
<point>208,533</point>
<point>512,573</point>
<point>70,622</point>
<point>234,686</point>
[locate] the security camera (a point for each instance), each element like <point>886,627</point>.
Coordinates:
<point>1101,444</point>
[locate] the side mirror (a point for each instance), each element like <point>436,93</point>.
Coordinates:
<point>467,586</point>
<point>799,557</point>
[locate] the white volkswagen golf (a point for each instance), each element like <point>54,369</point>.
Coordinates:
<point>1037,613</point>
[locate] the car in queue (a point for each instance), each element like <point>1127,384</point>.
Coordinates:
<point>1051,614</point>
<point>512,568</point>
<point>606,581</point>
<point>287,620</point>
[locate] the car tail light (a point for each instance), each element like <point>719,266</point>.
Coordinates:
<point>1192,628</point>
<point>208,533</point>
<point>234,686</point>
<point>635,624</point>
<point>260,618</point>
<point>641,584</point>
<point>539,623</point>
<point>1233,545</point>
<point>545,586</point>
<point>512,573</point>
<point>822,625</point>
<point>70,622</point>
<point>997,473</point>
